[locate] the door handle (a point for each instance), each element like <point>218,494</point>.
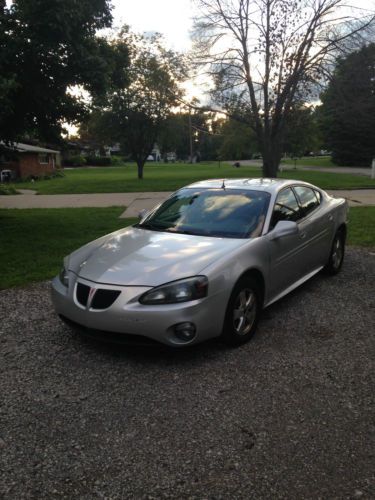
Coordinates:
<point>330,218</point>
<point>302,235</point>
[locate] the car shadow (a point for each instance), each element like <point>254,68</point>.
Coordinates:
<point>154,352</point>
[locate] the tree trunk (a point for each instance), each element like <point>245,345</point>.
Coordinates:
<point>271,157</point>
<point>140,165</point>
<point>271,162</point>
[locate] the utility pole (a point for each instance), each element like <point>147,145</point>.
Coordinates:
<point>190,138</point>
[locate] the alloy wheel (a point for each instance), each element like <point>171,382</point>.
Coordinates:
<point>244,311</point>
<point>337,253</point>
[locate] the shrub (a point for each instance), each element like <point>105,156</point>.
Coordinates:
<point>58,173</point>
<point>31,178</point>
<point>99,161</point>
<point>6,189</point>
<point>75,161</point>
<point>117,160</point>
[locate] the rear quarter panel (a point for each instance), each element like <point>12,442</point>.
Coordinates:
<point>338,208</point>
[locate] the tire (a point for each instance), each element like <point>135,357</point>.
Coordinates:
<point>243,311</point>
<point>336,257</point>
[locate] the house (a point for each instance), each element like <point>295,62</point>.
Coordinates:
<point>87,149</point>
<point>26,160</point>
<point>171,156</point>
<point>155,153</point>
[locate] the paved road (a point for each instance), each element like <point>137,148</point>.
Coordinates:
<point>288,416</point>
<point>335,170</point>
<point>137,201</point>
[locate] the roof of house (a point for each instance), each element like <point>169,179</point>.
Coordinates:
<point>27,148</point>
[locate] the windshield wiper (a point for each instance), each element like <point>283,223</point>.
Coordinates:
<point>149,225</point>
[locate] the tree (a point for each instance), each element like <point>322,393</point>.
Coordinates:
<point>238,141</point>
<point>272,52</point>
<point>139,109</point>
<point>190,134</point>
<point>7,74</point>
<point>48,48</point>
<point>302,132</point>
<point>348,109</point>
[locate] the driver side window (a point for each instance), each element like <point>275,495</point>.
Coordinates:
<point>286,208</point>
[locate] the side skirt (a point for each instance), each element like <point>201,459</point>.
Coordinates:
<point>292,287</point>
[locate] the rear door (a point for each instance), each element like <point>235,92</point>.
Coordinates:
<point>315,227</point>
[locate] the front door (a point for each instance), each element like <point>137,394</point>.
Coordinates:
<point>286,254</point>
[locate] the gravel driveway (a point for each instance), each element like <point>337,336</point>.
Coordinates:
<point>289,415</point>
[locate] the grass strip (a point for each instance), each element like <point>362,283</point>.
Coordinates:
<point>169,177</point>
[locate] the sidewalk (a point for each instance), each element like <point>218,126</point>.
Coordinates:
<point>135,202</point>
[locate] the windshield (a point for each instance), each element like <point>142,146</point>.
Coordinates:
<point>228,213</point>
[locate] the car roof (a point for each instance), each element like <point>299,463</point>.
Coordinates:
<point>258,184</point>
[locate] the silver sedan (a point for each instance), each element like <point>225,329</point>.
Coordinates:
<point>204,263</point>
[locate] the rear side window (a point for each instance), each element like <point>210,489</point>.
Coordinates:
<point>308,198</point>
<point>286,208</point>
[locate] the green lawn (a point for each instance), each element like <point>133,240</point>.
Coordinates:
<point>362,226</point>
<point>168,177</point>
<point>34,241</point>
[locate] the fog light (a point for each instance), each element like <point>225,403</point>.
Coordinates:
<point>185,331</point>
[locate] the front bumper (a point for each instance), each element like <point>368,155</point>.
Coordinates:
<point>127,316</point>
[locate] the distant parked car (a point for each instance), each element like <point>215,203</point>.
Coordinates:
<point>204,263</point>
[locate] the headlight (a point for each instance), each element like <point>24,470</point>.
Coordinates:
<point>177,291</point>
<point>64,277</point>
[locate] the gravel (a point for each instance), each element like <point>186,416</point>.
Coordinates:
<point>289,415</point>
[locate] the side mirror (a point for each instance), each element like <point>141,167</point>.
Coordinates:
<point>283,228</point>
<point>142,214</point>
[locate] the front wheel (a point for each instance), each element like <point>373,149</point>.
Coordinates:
<point>242,313</point>
<point>336,257</point>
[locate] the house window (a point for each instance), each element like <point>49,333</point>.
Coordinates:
<point>43,158</point>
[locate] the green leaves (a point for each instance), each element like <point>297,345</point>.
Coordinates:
<point>46,48</point>
<point>348,111</point>
<point>138,105</point>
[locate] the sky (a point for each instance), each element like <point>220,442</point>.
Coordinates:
<point>172,18</point>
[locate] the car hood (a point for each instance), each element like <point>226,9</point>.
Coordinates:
<point>139,257</point>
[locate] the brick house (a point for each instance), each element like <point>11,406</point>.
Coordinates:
<point>26,160</point>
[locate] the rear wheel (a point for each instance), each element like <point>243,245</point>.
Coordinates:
<point>242,313</point>
<point>336,257</point>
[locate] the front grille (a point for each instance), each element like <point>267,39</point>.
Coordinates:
<point>102,299</point>
<point>82,294</point>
